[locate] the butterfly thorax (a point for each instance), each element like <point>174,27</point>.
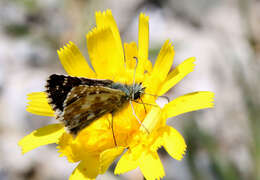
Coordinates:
<point>133,91</point>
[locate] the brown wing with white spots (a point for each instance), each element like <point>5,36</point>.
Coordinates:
<point>84,104</point>
<point>58,87</point>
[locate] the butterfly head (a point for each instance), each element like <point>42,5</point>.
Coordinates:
<point>137,91</point>
<point>133,91</point>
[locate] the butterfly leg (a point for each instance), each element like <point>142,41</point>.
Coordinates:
<point>140,122</point>
<point>144,106</point>
<point>112,127</point>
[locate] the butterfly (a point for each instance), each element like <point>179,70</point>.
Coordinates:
<point>79,101</point>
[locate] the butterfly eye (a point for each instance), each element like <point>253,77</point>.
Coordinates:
<point>137,95</point>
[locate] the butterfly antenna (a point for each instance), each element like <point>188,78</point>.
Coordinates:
<point>134,77</point>
<point>165,97</point>
<point>140,122</point>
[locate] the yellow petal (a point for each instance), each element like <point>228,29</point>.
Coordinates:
<point>148,66</point>
<point>43,136</point>
<point>151,119</point>
<point>126,163</point>
<point>151,166</point>
<point>164,61</point>
<point>74,62</point>
<point>189,102</point>
<point>143,42</point>
<point>177,74</point>
<point>108,156</point>
<point>130,53</point>
<point>79,176</point>
<point>86,169</point>
<point>38,104</point>
<point>106,20</point>
<point>161,68</point>
<point>174,143</point>
<point>69,148</point>
<point>104,54</point>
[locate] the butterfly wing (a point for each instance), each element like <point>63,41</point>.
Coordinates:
<point>80,101</point>
<point>84,104</point>
<point>58,87</point>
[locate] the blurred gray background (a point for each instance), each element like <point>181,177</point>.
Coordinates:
<point>224,36</point>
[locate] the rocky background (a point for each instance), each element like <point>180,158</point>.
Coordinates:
<point>224,36</point>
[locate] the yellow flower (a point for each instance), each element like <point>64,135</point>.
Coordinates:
<point>94,147</point>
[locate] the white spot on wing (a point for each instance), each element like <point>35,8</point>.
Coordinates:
<point>65,81</point>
